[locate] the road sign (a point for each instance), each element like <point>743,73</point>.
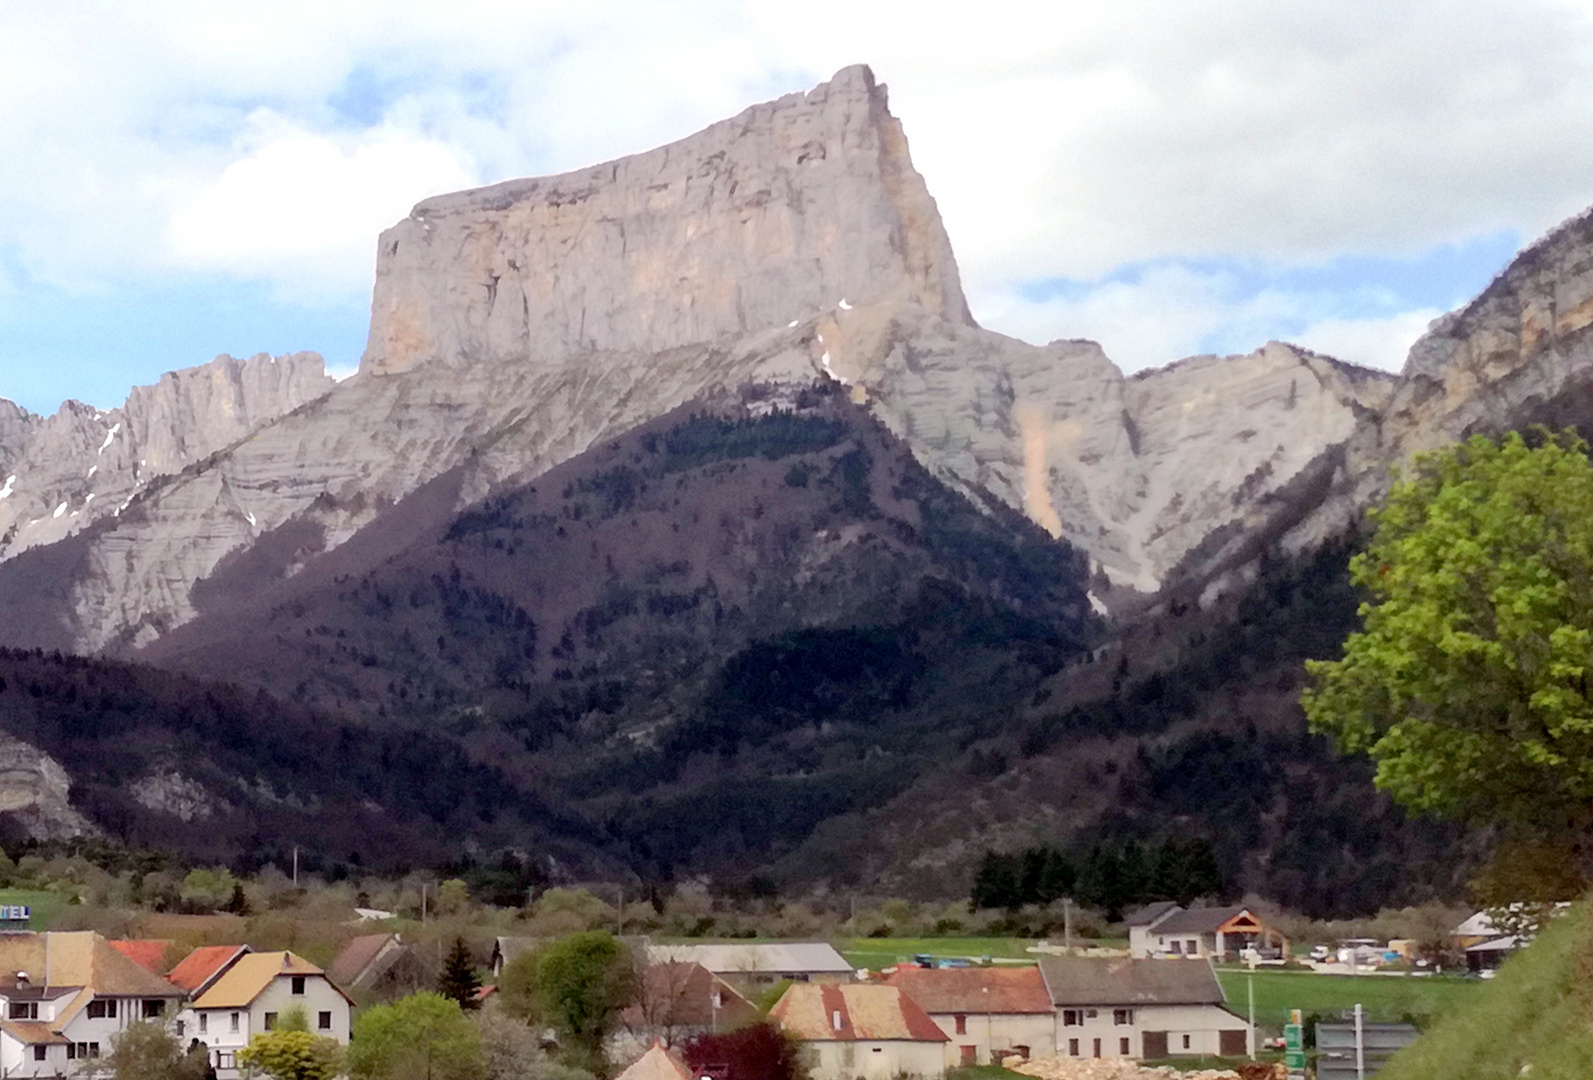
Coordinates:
<point>1294,1046</point>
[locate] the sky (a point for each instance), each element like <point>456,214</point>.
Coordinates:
<point>181,178</point>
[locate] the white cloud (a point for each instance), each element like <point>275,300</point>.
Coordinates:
<point>303,209</point>
<point>1062,140</point>
<point>1381,343</point>
<point>1170,311</point>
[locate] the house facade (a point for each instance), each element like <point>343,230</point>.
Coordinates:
<point>861,1030</point>
<point>1168,931</point>
<point>986,1013</point>
<point>1140,1008</point>
<point>65,996</point>
<point>251,995</point>
<point>381,966</point>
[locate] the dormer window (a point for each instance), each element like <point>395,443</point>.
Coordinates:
<point>102,1008</point>
<point>23,1010</point>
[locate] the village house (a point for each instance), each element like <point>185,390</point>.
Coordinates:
<point>987,1013</point>
<point>505,949</point>
<point>147,953</point>
<point>1115,1007</point>
<point>381,966</point>
<point>1166,930</point>
<point>65,996</point>
<point>250,994</point>
<point>657,1063</point>
<point>749,964</point>
<point>677,1001</point>
<point>195,972</point>
<point>868,1030</point>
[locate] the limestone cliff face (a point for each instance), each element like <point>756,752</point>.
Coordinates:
<point>34,793</point>
<point>515,326</point>
<point>771,217</point>
<point>61,473</point>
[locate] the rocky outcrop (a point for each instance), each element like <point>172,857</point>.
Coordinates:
<point>34,791</point>
<point>764,220</point>
<point>61,473</point>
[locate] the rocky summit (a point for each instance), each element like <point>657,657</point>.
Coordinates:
<point>707,437</point>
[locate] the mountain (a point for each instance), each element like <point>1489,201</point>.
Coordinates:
<point>684,493</point>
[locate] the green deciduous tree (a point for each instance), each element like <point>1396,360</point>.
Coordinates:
<point>293,1055</point>
<point>582,982</point>
<point>1468,683</point>
<point>420,1037</point>
<point>146,1051</point>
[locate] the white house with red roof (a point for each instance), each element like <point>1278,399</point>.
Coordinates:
<point>987,1013</point>
<point>868,1030</point>
<point>250,994</point>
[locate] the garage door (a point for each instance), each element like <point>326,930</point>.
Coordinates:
<point>1155,1044</point>
<point>1231,1043</point>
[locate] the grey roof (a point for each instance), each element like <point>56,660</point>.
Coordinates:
<point>815,957</point>
<point>1112,980</point>
<point>1195,920</point>
<point>1148,914</point>
<point>1499,944</point>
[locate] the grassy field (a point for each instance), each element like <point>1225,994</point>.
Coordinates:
<point>47,907</point>
<point>1384,997</point>
<point>875,953</point>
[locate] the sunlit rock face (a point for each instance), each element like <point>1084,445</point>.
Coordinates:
<point>771,217</point>
<point>59,474</point>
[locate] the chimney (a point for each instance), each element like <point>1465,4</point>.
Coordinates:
<point>835,1019</point>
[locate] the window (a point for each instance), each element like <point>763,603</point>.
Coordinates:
<point>1097,1047</point>
<point>961,1020</point>
<point>181,1029</point>
<point>71,1051</point>
<point>323,1021</point>
<point>1122,1047</point>
<point>101,1008</point>
<point>1090,1014</point>
<point>1192,947</point>
<point>204,1023</point>
<point>84,1049</point>
<point>298,985</point>
<point>1072,1017</point>
<point>1186,1042</point>
<point>234,1023</point>
<point>39,1052</point>
<point>1178,948</point>
<point>270,1021</point>
<point>1122,1016</point>
<point>23,1010</point>
<point>1073,1048</point>
<point>226,1059</point>
<point>153,1007</point>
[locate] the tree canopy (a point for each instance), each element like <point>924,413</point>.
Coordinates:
<point>420,1037</point>
<point>582,981</point>
<point>293,1054</point>
<point>1468,683</point>
<point>147,1051</point>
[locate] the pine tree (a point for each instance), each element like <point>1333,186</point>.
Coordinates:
<point>459,980</point>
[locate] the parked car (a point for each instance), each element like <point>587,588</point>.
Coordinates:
<point>1321,952</point>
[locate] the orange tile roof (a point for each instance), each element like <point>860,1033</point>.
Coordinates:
<point>245,980</point>
<point>147,953</point>
<point>203,964</point>
<point>975,990</point>
<point>657,1064</point>
<point>826,1012</point>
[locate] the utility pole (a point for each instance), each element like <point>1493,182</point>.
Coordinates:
<point>1067,924</point>
<point>295,866</point>
<point>423,902</point>
<point>619,917</point>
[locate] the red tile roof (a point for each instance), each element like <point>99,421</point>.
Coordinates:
<point>148,953</point>
<point>848,1012</point>
<point>203,964</point>
<point>974,990</point>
